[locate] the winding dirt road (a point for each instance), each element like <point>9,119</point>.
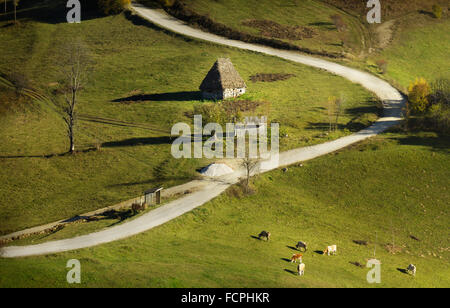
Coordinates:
<point>392,101</point>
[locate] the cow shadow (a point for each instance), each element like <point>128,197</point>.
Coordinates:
<point>291,272</point>
<point>430,14</point>
<point>255,237</point>
<point>293,248</point>
<point>402,270</point>
<point>286,259</point>
<point>319,252</point>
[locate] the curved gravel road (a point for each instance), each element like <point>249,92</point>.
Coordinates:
<point>392,101</point>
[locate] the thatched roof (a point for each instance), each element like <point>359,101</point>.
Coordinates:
<point>222,76</point>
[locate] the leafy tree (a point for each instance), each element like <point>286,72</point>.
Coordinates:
<point>419,91</point>
<point>437,11</point>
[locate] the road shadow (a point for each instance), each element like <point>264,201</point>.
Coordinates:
<point>162,97</point>
<point>138,142</point>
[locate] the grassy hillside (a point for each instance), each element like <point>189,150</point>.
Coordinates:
<point>382,191</point>
<point>284,20</point>
<point>420,48</point>
<point>142,76</point>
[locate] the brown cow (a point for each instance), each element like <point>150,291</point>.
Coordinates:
<point>296,257</point>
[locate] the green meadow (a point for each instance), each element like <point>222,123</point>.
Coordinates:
<point>390,194</point>
<point>391,191</point>
<point>150,79</point>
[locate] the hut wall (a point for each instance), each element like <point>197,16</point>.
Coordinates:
<point>227,93</point>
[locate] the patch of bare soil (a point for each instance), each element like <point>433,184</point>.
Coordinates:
<point>272,29</point>
<point>385,33</point>
<point>260,77</point>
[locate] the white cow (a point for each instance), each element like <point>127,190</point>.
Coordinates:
<point>412,269</point>
<point>330,250</point>
<point>301,269</point>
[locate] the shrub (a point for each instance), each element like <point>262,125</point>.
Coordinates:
<point>338,22</point>
<point>419,91</point>
<point>437,11</point>
<point>439,118</point>
<point>110,7</point>
<point>382,65</point>
<point>440,92</point>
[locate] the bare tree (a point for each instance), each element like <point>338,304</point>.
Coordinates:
<point>16,3</point>
<point>250,165</point>
<point>334,111</point>
<point>75,66</point>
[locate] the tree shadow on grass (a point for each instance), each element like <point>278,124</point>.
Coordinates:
<point>437,143</point>
<point>138,142</point>
<point>48,156</point>
<point>51,11</point>
<point>162,97</point>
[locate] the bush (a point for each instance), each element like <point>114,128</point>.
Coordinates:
<point>437,11</point>
<point>110,7</point>
<point>440,92</point>
<point>338,22</point>
<point>439,118</point>
<point>419,92</point>
<point>382,66</point>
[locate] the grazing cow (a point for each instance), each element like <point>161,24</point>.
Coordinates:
<point>301,245</point>
<point>330,250</point>
<point>296,257</point>
<point>264,234</point>
<point>412,269</point>
<point>301,269</point>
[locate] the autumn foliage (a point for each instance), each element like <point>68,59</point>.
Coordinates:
<point>419,91</point>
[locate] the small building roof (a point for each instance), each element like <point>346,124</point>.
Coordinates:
<point>222,76</point>
<point>153,190</point>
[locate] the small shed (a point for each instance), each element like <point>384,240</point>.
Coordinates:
<point>222,81</point>
<point>153,196</point>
